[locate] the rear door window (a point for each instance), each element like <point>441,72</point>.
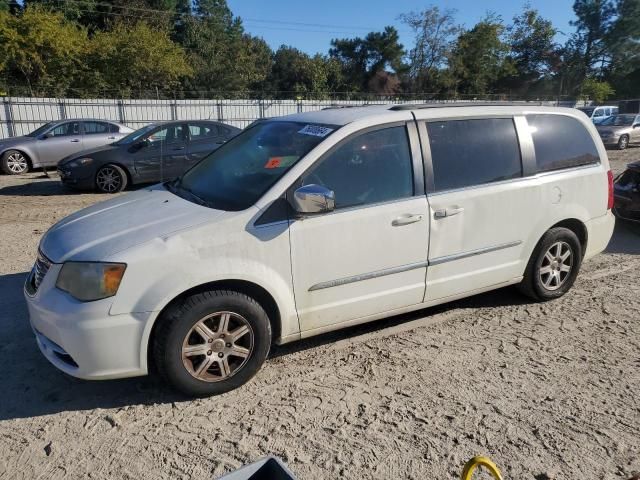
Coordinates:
<point>466,153</point>
<point>95,127</point>
<point>561,142</point>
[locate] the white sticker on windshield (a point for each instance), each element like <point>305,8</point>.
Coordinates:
<point>316,131</point>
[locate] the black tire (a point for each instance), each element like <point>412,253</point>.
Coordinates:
<point>623,142</point>
<point>533,285</point>
<point>111,179</point>
<point>15,162</point>
<point>177,329</point>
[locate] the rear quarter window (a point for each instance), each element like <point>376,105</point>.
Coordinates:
<point>561,142</point>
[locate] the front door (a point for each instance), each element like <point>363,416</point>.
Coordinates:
<point>164,155</point>
<point>369,255</point>
<point>482,210</point>
<point>63,140</point>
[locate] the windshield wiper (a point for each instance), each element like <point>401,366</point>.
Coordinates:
<point>174,187</point>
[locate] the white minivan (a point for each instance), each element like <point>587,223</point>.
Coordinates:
<point>317,221</point>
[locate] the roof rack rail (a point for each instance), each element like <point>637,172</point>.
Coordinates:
<point>419,106</point>
<point>333,107</point>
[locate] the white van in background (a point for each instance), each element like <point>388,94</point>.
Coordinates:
<point>316,221</point>
<point>600,113</point>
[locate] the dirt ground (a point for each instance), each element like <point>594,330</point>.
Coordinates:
<point>548,391</point>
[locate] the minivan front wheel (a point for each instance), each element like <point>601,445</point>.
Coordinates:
<point>211,342</point>
<point>553,266</point>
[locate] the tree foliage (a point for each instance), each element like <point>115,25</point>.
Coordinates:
<point>194,48</point>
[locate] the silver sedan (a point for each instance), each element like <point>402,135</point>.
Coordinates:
<point>50,143</point>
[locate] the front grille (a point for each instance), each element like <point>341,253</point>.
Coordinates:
<point>40,269</point>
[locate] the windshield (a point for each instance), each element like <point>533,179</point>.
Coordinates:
<point>135,136</point>
<point>236,175</point>
<point>587,111</point>
<point>619,120</point>
<point>40,130</point>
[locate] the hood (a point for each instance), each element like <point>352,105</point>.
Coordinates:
<point>97,232</point>
<point>13,141</point>
<point>613,129</point>
<point>95,152</point>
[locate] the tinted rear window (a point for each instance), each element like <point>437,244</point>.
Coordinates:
<point>561,142</point>
<point>473,152</point>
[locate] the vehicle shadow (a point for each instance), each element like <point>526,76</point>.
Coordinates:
<point>37,388</point>
<point>33,387</point>
<point>625,239</point>
<point>42,187</point>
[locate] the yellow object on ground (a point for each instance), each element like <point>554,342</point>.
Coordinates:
<point>475,462</point>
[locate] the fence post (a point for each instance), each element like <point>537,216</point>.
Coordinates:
<point>174,109</point>
<point>299,105</point>
<point>219,109</point>
<point>8,113</point>
<point>62,108</point>
<point>121,117</point>
<point>261,108</point>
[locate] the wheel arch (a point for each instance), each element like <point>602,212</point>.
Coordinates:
<point>576,226</point>
<point>117,164</point>
<point>251,289</point>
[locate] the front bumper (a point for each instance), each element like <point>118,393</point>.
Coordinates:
<point>610,141</point>
<point>81,338</point>
<point>71,179</point>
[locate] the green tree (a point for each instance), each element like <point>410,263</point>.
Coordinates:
<point>224,57</point>
<point>533,50</point>
<point>137,58</point>
<point>435,33</point>
<point>363,58</point>
<point>480,58</point>
<point>623,42</point>
<point>593,23</point>
<point>42,51</point>
<point>596,90</point>
<point>296,74</point>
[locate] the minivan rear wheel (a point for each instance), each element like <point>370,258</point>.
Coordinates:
<point>553,266</point>
<point>211,342</point>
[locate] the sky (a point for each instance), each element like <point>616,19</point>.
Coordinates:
<point>310,26</point>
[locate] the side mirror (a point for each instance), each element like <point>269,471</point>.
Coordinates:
<point>47,135</point>
<point>142,144</point>
<point>636,125</point>
<point>313,199</point>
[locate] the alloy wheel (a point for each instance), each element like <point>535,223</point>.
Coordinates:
<point>17,162</point>
<point>556,266</point>
<point>108,179</point>
<point>217,346</point>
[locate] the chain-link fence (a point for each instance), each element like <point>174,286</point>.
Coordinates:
<point>20,115</point>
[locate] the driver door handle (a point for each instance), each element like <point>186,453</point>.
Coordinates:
<point>406,220</point>
<point>75,140</point>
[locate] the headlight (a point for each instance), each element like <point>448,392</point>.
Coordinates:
<point>90,281</point>
<point>79,162</point>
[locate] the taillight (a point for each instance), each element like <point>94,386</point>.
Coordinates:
<point>610,199</point>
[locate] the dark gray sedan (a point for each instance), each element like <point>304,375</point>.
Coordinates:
<point>48,144</point>
<point>154,153</point>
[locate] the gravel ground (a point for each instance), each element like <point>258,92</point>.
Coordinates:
<point>548,391</point>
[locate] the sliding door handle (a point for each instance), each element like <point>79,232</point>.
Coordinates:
<point>406,220</point>
<point>447,212</point>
